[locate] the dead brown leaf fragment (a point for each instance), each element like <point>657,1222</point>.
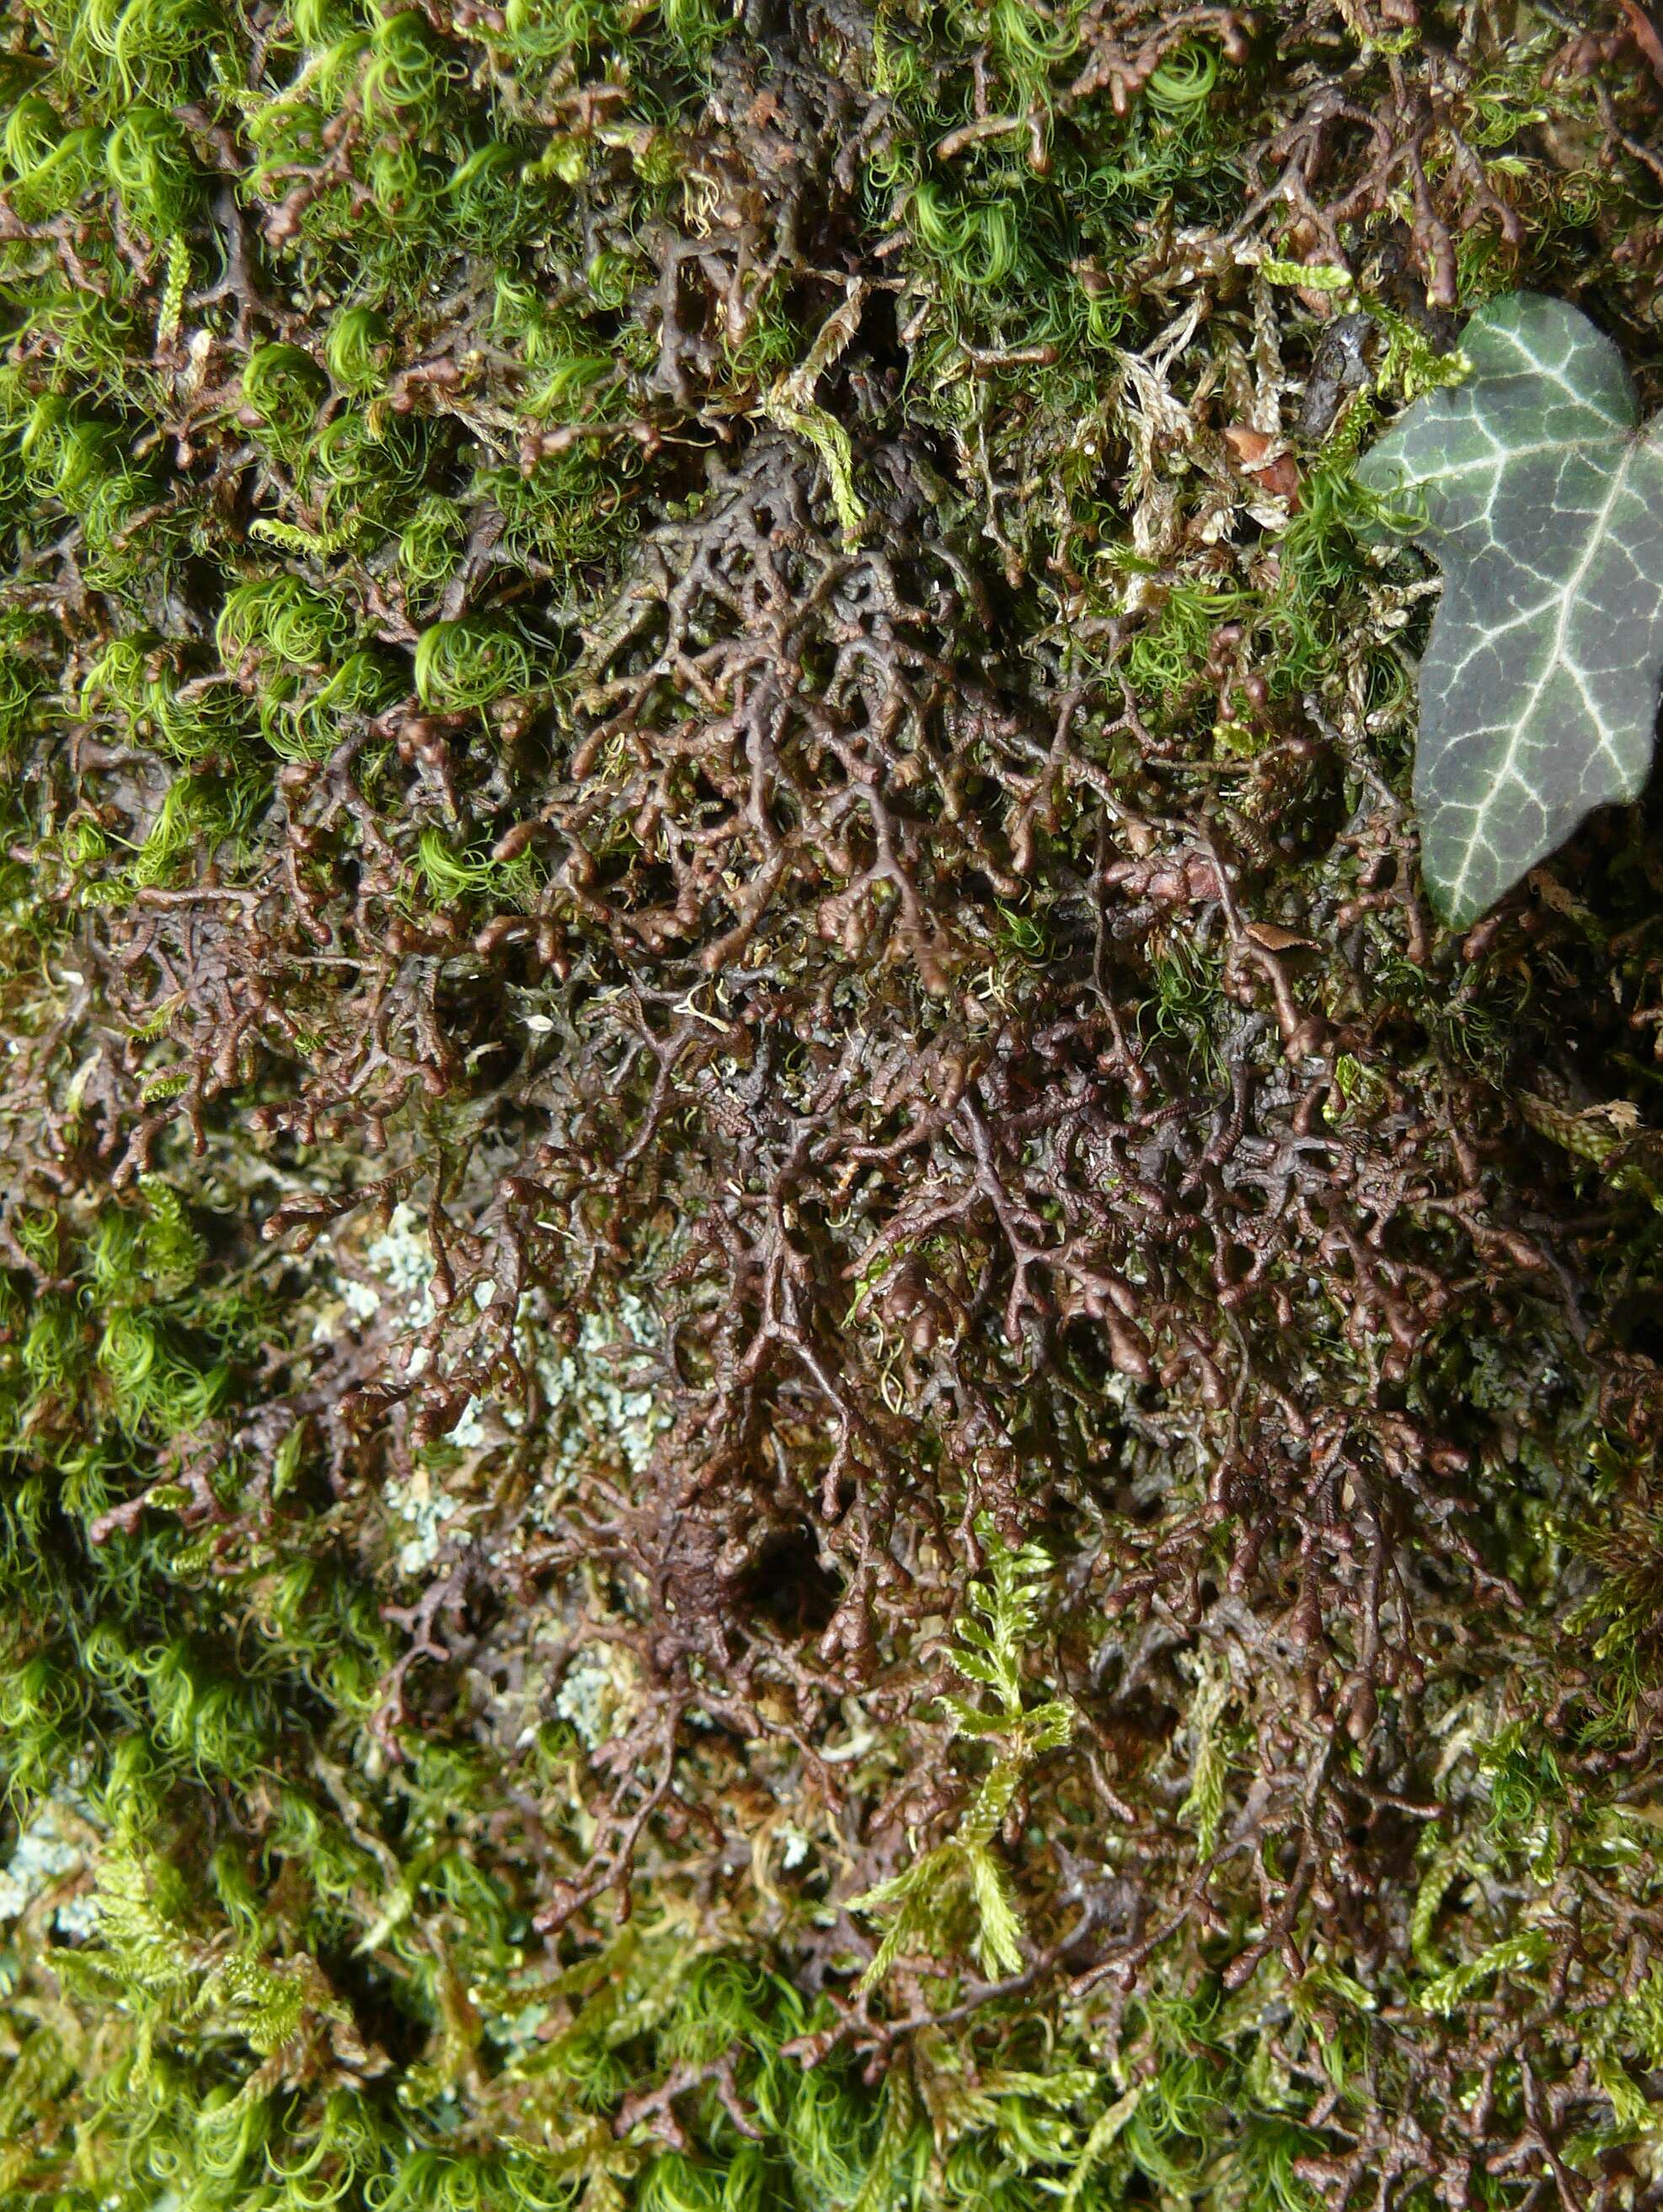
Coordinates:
<point>1266,460</point>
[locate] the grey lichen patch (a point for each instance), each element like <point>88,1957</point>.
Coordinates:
<point>422,1509</point>
<point>601,1687</point>
<point>591,1400</point>
<point>588,1410</point>
<point>402,1256</point>
<point>59,1842</point>
<point>390,1272</point>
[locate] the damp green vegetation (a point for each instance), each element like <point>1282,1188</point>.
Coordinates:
<point>801,1404</point>
<point>1573,764</point>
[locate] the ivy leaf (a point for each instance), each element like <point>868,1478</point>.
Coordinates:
<point>1542,501</point>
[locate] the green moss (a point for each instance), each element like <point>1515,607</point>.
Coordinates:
<point>798,1406</point>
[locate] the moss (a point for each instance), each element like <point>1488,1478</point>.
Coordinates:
<point>799,1406</point>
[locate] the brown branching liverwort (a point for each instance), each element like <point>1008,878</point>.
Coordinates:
<point>802,1404</point>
